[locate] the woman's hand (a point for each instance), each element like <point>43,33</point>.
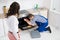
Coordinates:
<point>18,38</point>
<point>28,21</point>
<point>29,26</point>
<point>19,34</point>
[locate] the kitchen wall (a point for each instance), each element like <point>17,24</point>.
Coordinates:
<point>25,4</point>
<point>47,3</point>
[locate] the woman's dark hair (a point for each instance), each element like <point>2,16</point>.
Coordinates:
<point>14,9</point>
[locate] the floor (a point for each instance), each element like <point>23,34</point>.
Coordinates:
<point>55,35</point>
<point>25,35</point>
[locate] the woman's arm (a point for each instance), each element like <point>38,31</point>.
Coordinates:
<point>28,21</point>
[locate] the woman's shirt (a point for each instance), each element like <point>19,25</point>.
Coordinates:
<point>13,25</point>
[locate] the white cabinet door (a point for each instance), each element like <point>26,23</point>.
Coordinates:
<point>55,5</point>
<point>1,28</point>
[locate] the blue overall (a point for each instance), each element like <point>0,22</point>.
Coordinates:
<point>42,23</point>
<point>42,26</point>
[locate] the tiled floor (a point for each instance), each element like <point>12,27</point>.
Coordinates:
<point>25,35</point>
<point>55,35</point>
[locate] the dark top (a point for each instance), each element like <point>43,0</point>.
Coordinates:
<point>23,24</point>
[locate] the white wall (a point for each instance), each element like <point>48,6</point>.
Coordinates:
<point>25,4</point>
<point>1,5</point>
<point>47,3</point>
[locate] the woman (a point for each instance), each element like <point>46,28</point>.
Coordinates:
<point>12,20</point>
<point>25,22</point>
